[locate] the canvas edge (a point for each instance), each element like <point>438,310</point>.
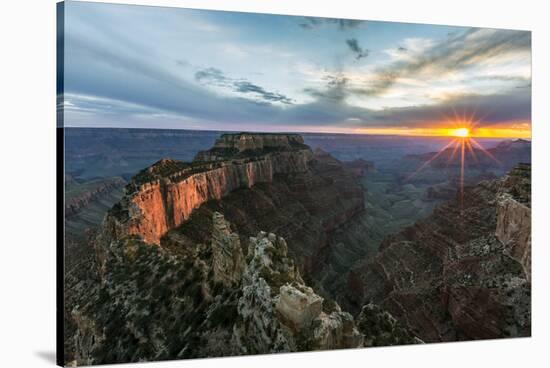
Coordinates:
<point>60,186</point>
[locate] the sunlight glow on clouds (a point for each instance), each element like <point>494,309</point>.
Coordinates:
<point>132,66</point>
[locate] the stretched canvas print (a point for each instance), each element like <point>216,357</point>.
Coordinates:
<point>239,183</point>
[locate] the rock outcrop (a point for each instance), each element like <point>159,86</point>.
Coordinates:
<point>272,286</point>
<point>462,273</point>
<point>514,217</point>
<point>247,144</point>
<point>299,305</point>
<point>227,256</point>
<point>185,300</point>
<point>164,195</point>
<point>380,328</point>
<point>260,181</point>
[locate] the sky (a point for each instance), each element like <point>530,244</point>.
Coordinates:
<point>157,67</point>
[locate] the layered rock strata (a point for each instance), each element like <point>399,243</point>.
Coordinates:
<point>275,183</point>
<point>247,144</point>
<point>78,196</point>
<point>164,195</point>
<point>463,273</point>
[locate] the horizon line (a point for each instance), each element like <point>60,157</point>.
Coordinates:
<point>381,134</point>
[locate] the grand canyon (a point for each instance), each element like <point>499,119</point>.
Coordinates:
<point>268,242</point>
<point>234,183</point>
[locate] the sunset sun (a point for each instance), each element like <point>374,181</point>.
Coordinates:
<point>461,132</point>
<point>462,142</point>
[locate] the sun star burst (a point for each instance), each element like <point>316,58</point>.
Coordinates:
<point>463,143</point>
<point>460,132</point>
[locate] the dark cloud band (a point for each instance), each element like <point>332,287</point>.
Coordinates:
<point>341,24</point>
<point>359,52</point>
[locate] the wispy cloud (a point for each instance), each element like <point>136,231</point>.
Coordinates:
<point>504,78</point>
<point>213,76</point>
<point>153,71</point>
<point>457,52</point>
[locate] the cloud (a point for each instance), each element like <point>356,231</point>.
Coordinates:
<point>336,89</point>
<point>182,63</point>
<point>359,52</point>
<point>128,86</point>
<point>326,111</point>
<point>339,87</point>
<point>508,107</point>
<point>216,77</point>
<point>247,87</point>
<point>125,76</point>
<point>211,75</point>
<point>504,78</point>
<point>330,108</point>
<point>341,24</point>
<point>457,52</point>
<point>136,91</point>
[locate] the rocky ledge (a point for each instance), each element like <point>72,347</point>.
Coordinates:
<point>201,300</point>
<point>251,144</point>
<point>464,272</point>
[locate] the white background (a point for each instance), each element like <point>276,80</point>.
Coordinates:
<point>27,181</point>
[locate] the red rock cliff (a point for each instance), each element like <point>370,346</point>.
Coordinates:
<point>164,195</point>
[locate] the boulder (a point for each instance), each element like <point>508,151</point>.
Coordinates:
<point>299,305</point>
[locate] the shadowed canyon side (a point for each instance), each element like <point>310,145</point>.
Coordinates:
<point>462,273</point>
<point>514,217</point>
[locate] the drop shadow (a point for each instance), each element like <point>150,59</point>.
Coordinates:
<point>48,356</point>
